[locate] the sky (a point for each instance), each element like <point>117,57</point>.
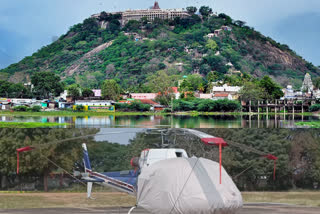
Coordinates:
<point>117,135</point>
<point>27,25</point>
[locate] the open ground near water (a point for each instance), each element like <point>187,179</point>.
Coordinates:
<point>255,203</point>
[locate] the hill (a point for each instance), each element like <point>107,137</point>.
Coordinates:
<point>101,48</point>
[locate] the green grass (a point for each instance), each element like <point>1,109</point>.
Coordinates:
<point>312,124</point>
<point>119,113</point>
<point>29,124</point>
<point>297,198</point>
<point>115,199</point>
<point>71,113</point>
<point>54,200</point>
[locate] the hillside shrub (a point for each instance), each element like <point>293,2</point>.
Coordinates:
<point>315,107</point>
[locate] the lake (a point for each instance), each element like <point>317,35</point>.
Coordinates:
<point>170,121</point>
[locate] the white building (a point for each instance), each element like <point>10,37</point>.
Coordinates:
<point>150,14</point>
<point>94,102</point>
<point>289,93</point>
<point>226,88</point>
<point>97,92</point>
<point>143,96</point>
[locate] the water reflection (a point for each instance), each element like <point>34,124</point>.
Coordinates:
<point>158,121</point>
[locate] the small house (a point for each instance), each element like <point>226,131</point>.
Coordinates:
<point>222,96</point>
<point>226,28</point>
<point>64,105</point>
<point>96,92</point>
<point>210,35</point>
<point>205,96</point>
<point>217,32</point>
<point>143,96</point>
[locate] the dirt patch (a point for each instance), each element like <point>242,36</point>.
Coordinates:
<point>77,65</point>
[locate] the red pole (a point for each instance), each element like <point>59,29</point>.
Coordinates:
<point>17,162</point>
<point>220,154</point>
<point>274,170</point>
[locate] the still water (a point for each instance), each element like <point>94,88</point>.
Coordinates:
<point>176,121</point>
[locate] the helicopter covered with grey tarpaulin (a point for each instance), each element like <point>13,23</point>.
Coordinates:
<point>187,185</point>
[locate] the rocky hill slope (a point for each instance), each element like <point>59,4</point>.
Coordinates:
<point>100,48</point>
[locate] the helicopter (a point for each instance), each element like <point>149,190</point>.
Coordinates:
<point>167,180</point>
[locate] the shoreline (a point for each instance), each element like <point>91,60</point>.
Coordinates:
<point>119,113</point>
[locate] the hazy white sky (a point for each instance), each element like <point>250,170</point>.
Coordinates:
<point>27,25</point>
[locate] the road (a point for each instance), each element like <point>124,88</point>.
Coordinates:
<point>248,209</point>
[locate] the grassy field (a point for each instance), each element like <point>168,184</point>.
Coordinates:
<point>296,198</point>
<point>77,200</point>
<point>29,125</point>
<point>114,199</point>
<point>312,124</point>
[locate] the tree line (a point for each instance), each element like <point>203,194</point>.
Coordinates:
<point>298,152</point>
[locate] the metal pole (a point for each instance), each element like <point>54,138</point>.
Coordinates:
<point>220,161</point>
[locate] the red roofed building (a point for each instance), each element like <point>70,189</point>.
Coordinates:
<point>155,106</point>
<point>150,102</point>
<point>222,96</point>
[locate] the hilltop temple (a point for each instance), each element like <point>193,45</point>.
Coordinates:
<point>307,85</point>
<point>150,14</point>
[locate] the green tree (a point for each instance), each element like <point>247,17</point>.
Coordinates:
<point>228,19</point>
<point>316,82</point>
<point>74,91</point>
<point>17,90</point>
<point>162,83</point>
<point>212,76</point>
<point>211,45</point>
<point>110,90</point>
<point>132,26</point>
<point>205,11</point>
<point>46,84</point>
<point>192,83</point>
<point>240,23</point>
<point>87,92</point>
<point>252,92</point>
<point>191,10</point>
<point>272,88</point>
<point>37,163</point>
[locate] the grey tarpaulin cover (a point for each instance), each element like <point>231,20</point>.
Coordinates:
<point>187,185</point>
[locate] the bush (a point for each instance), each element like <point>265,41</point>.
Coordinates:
<point>206,105</point>
<point>21,108</point>
<point>35,108</point>
<point>315,107</point>
<point>139,106</point>
<point>166,110</point>
<point>79,108</point>
<point>134,106</point>
<point>26,108</point>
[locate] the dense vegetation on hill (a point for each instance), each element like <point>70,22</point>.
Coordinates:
<point>98,49</point>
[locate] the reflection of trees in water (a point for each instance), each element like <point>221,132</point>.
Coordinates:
<point>35,163</point>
